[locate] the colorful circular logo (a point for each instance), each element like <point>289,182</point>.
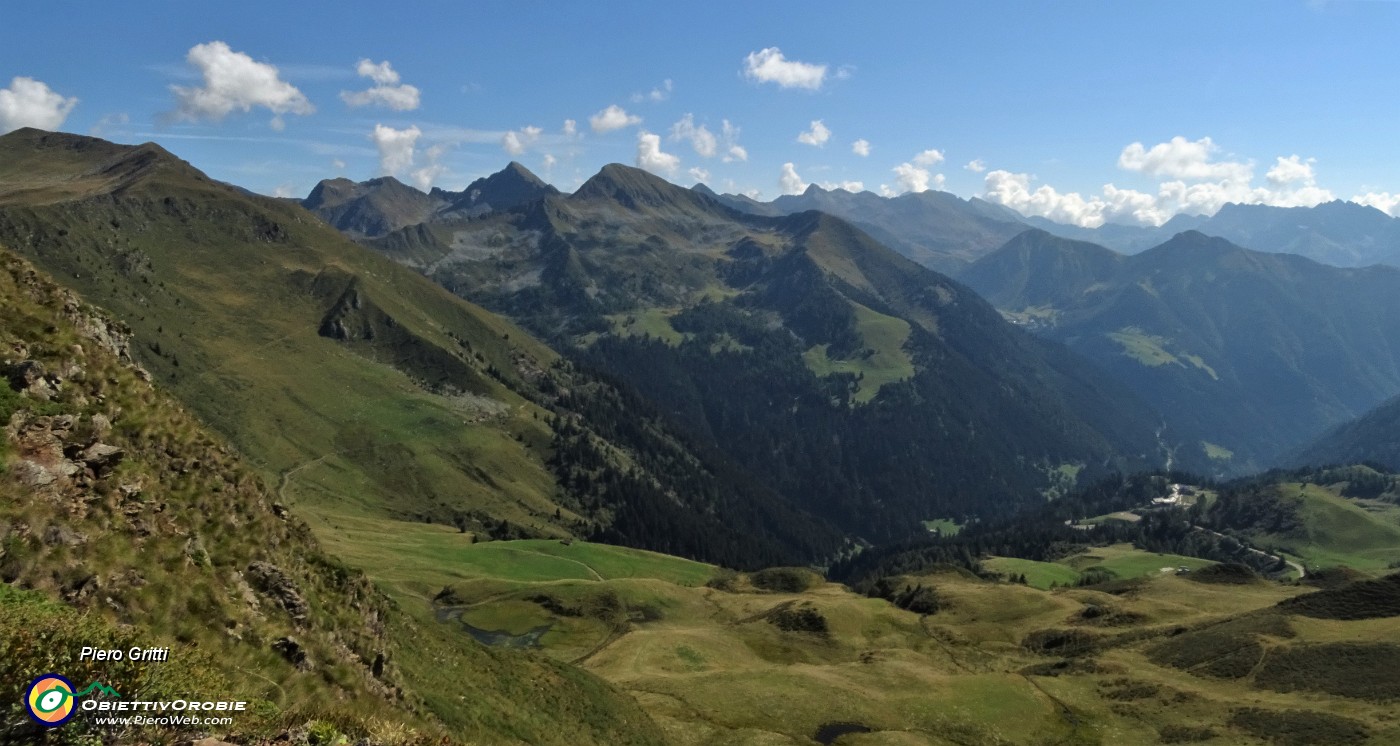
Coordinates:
<point>49,700</point>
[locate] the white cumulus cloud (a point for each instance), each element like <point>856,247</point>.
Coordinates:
<point>387,91</point>
<point>976,166</point>
<point>699,174</point>
<point>395,148</point>
<point>861,147</point>
<point>570,128</point>
<point>1130,205</point>
<point>658,94</point>
<point>770,66</point>
<point>1013,190</point>
<point>910,178</point>
<point>816,135</point>
<point>1384,201</point>
<point>516,142</point>
<point>106,122</point>
<point>31,103</point>
<point>789,182</point>
<point>1180,158</point>
<point>1189,179</point>
<point>850,186</point>
<point>930,157</point>
<point>650,157</point>
<point>1290,170</point>
<point>612,118</point>
<point>701,139</point>
<point>233,81</point>
<point>424,177</point>
<point>733,151</point>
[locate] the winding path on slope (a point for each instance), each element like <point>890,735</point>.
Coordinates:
<point>1302,573</point>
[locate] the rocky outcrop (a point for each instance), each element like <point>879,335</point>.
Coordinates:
<point>293,652</point>
<point>270,580</point>
<point>55,452</point>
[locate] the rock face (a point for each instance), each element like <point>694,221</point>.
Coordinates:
<point>24,374</point>
<point>293,652</point>
<point>272,581</point>
<point>55,452</point>
<point>101,457</point>
<point>29,378</point>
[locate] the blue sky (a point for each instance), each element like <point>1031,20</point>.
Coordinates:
<point>1083,112</point>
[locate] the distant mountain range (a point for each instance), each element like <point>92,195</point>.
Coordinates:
<point>867,388</point>
<point>1257,353</point>
<point>946,232</point>
<point>1342,234</point>
<point>936,229</point>
<point>732,388</point>
<point>1071,292</point>
<point>373,208</point>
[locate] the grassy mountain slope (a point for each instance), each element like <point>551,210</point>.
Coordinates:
<point>1255,353</point>
<point>131,524</point>
<point>1374,437</point>
<point>1343,517</point>
<point>897,377</point>
<point>358,383</point>
<point>280,333</point>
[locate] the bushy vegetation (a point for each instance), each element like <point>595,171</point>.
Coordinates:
<point>804,618</point>
<point>1300,727</point>
<point>1361,599</point>
<point>1362,670</point>
<point>1185,734</point>
<point>1229,650</point>
<point>783,579</point>
<point>1061,642</point>
<point>916,597</point>
<point>1226,573</point>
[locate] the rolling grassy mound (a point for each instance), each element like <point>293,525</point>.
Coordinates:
<point>731,662</point>
<point>1118,561</point>
<point>1321,526</point>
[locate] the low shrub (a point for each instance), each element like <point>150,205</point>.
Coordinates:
<point>783,579</point>
<point>803,618</point>
<point>1300,727</point>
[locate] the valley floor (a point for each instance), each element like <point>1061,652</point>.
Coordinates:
<point>1164,658</point>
